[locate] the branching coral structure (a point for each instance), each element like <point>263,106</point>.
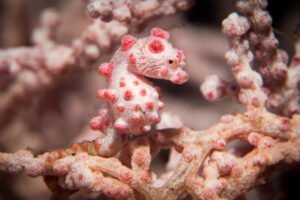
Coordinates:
<point>202,164</point>
<point>134,11</point>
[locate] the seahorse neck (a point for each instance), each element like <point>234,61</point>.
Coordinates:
<point>120,69</point>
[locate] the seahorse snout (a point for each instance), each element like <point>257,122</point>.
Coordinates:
<point>179,77</point>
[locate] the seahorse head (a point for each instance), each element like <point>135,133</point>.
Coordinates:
<point>155,57</point>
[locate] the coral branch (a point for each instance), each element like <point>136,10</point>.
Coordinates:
<point>134,12</point>
<point>273,61</point>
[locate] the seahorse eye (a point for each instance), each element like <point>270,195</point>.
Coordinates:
<point>171,62</point>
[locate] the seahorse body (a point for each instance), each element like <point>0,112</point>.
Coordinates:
<point>133,101</point>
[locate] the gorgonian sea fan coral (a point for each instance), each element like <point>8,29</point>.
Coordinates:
<point>202,165</point>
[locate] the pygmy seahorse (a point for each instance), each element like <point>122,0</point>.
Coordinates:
<point>133,102</point>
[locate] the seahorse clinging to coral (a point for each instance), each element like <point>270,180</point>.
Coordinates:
<point>133,101</point>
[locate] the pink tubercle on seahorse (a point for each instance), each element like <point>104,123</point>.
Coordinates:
<point>133,102</point>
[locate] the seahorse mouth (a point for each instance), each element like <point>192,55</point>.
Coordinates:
<point>179,77</point>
